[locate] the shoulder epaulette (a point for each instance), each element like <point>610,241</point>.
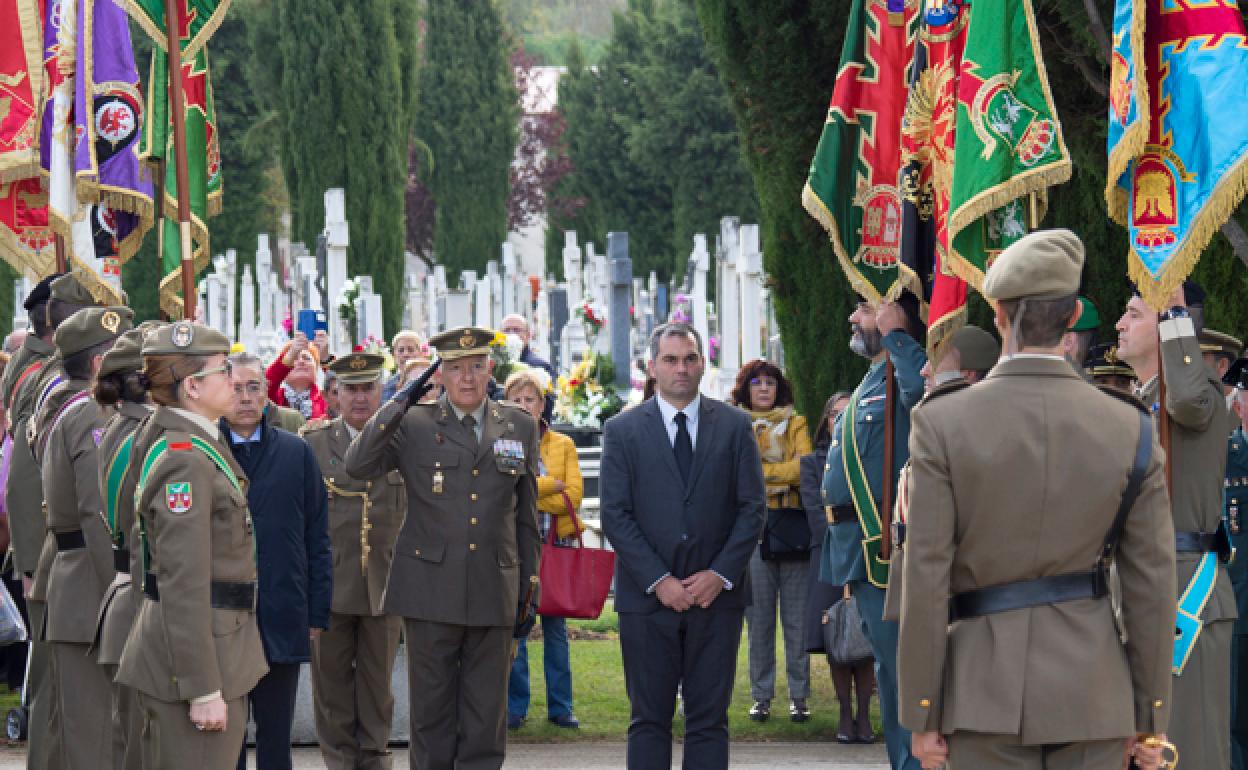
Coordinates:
<point>1123,396</point>
<point>943,390</point>
<point>318,423</point>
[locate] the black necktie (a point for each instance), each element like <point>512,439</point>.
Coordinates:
<point>470,423</point>
<point>683,447</point>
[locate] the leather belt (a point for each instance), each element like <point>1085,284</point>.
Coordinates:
<point>1195,542</point>
<point>1028,593</point>
<point>121,560</point>
<point>70,541</point>
<point>226,594</point>
<point>839,514</point>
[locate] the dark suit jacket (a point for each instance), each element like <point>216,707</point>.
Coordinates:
<point>657,524</point>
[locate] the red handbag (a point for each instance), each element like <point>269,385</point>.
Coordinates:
<point>574,581</point>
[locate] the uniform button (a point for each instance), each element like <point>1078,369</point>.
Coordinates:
<point>835,443</point>
<point>472,546</point>
<point>476,471</point>
<point>474,497</point>
<point>868,418</point>
<point>1187,359</point>
<point>684,536</point>
<point>418,552</point>
<point>382,426</point>
<point>925,703</point>
<point>827,467</point>
<point>1157,704</point>
<point>437,464</point>
<point>473,520</point>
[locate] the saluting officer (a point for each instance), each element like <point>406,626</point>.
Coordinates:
<point>1199,424</point>
<point>194,651</point>
<point>1235,519</point>
<point>120,386</point>
<point>1009,656</point>
<point>353,660</point>
<point>465,564</point>
<point>82,568</point>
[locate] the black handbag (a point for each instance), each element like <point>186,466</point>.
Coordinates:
<point>786,536</point>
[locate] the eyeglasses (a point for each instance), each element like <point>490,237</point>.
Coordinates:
<point>763,381</point>
<point>251,388</point>
<point>224,368</point>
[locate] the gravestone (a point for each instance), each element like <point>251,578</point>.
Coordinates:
<point>247,310</point>
<point>700,262</point>
<point>621,279</point>
<point>337,237</point>
<point>750,271</point>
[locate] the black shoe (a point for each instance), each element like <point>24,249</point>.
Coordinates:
<point>864,733</point>
<point>568,721</point>
<point>799,711</point>
<point>514,721</point>
<point>760,711</point>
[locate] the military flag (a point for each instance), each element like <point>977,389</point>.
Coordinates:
<point>1177,147</point>
<point>852,186</point>
<point>929,126</point>
<point>26,241</point>
<point>1009,141</point>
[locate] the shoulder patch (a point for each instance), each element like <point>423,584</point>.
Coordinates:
<point>178,496</point>
<point>178,441</point>
<point>943,390</point>
<point>1123,396</point>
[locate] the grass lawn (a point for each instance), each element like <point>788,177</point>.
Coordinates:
<point>601,704</point>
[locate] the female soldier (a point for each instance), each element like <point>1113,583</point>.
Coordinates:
<point>195,649</point>
<point>121,385</point>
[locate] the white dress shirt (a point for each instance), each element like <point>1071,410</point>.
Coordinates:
<point>691,418</point>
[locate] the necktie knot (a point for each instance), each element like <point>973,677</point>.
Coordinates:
<point>469,422</point>
<point>680,419</point>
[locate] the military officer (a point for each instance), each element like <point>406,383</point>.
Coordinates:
<point>1104,367</point>
<point>465,564</point>
<point>1009,656</point>
<point>82,567</point>
<point>1080,338</point>
<point>1220,350</point>
<point>1235,509</point>
<point>194,651</point>
<point>853,484</point>
<point>353,660</point>
<point>1199,423</point>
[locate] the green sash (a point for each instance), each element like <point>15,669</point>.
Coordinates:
<point>117,468</point>
<point>864,501</point>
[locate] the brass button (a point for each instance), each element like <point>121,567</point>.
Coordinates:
<point>382,426</point>
<point>476,471</point>
<point>472,546</point>
<point>437,464</point>
<point>474,497</point>
<point>1157,703</point>
<point>418,552</point>
<point>925,703</point>
<point>1187,359</point>
<point>473,520</point>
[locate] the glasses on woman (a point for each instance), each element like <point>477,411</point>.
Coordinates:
<point>760,382</point>
<point>224,368</point>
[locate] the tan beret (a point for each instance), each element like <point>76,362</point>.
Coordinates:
<point>187,338</point>
<point>126,355</point>
<point>90,327</point>
<point>977,349</point>
<point>67,288</point>
<point>1045,264</point>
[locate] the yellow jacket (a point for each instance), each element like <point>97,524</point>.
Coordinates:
<point>784,477</point>
<point>559,457</point>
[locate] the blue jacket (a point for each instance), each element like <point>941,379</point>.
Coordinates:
<point>842,546</point>
<point>290,511</point>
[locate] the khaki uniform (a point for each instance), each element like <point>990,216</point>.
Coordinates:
<point>462,564</point>
<point>1199,425</point>
<point>1015,486</point>
<point>77,579</point>
<point>352,661</point>
<point>121,601</point>
<point>182,646</point>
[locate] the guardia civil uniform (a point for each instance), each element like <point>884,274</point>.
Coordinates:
<point>1008,643</point>
<point>464,560</point>
<point>855,520</point>
<point>81,568</point>
<point>1199,424</point>
<point>117,478</point>
<point>1235,520</point>
<point>195,637</point>
<point>353,660</point>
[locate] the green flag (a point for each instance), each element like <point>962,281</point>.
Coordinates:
<point>198,20</point>
<point>1009,140</point>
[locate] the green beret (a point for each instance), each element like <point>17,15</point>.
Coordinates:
<point>358,368</point>
<point>90,327</point>
<point>977,349</point>
<point>1089,319</point>
<point>126,355</point>
<point>1045,264</point>
<point>187,338</point>
<point>68,288</point>
<point>462,342</point>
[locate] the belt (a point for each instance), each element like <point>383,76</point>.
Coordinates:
<point>839,514</point>
<point>121,560</point>
<point>226,594</point>
<point>70,541</point>
<point>1195,542</point>
<point>1028,593</point>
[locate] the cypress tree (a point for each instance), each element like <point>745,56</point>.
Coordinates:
<point>467,114</point>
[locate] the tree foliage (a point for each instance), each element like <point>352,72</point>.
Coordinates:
<point>541,160</point>
<point>466,115</point>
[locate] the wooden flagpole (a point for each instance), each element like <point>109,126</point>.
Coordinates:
<point>886,492</point>
<point>177,108</point>
<point>62,262</point>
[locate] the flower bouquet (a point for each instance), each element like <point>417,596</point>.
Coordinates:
<point>592,317</point>
<point>588,396</point>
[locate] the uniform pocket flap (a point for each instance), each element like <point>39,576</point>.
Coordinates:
<point>507,558</point>
<point>430,553</point>
<point>226,622</point>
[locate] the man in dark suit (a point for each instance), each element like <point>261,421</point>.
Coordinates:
<point>682,504</point>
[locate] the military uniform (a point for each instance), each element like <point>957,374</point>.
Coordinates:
<point>196,634</point>
<point>1199,425</point>
<point>352,661</point>
<point>1043,680</point>
<point>844,559</point>
<point>1235,519</point>
<point>463,562</point>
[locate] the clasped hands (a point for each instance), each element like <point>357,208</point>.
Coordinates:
<point>700,588</point>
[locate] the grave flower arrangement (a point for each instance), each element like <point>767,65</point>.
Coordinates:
<point>587,395</point>
<point>592,317</point>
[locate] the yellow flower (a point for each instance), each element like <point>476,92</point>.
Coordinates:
<point>499,340</point>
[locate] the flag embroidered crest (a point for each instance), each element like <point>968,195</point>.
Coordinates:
<point>178,496</point>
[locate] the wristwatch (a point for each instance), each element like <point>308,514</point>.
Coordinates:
<point>1174,313</point>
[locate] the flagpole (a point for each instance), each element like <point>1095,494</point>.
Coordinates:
<point>62,263</point>
<point>886,493</point>
<point>177,109</point>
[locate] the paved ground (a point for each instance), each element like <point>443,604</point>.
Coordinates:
<point>610,756</point>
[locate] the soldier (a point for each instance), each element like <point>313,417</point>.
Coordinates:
<point>1235,503</point>
<point>1220,350</point>
<point>465,564</point>
<point>194,651</point>
<point>1199,424</point>
<point>82,568</point>
<point>1009,656</point>
<point>1080,338</point>
<point>852,486</point>
<point>353,660</point>
<point>1104,367</point>
<point>121,387</point>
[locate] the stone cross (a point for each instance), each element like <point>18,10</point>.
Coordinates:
<point>700,261</point>
<point>247,310</point>
<point>337,237</point>
<point>618,316</point>
<point>728,288</point>
<point>750,271</point>
<point>572,267</point>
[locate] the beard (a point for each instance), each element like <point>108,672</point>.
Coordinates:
<point>866,342</point>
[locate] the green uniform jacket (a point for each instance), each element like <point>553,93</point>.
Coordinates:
<point>24,493</point>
